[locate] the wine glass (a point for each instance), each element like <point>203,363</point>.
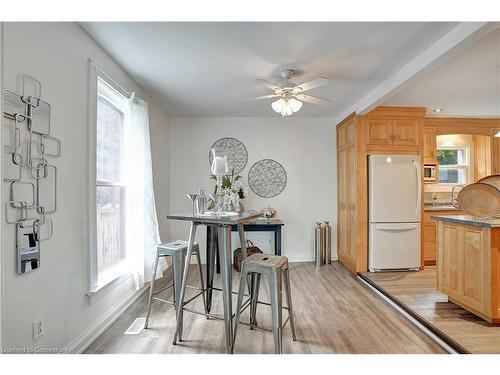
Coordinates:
<point>192,198</point>
<point>214,197</point>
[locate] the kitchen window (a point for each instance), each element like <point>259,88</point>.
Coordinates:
<point>454,165</point>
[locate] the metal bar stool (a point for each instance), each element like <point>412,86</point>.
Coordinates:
<point>177,250</point>
<point>274,266</point>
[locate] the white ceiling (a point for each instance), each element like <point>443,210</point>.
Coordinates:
<point>209,69</point>
<point>466,84</point>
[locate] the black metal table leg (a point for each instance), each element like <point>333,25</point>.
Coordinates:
<point>217,257</point>
<point>277,240</point>
<point>212,251</point>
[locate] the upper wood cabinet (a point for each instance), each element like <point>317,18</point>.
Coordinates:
<point>392,132</point>
<point>378,131</point>
<point>406,132</point>
<point>429,137</point>
<point>482,156</point>
<point>495,152</point>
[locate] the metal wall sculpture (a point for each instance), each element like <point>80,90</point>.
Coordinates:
<point>267,178</point>
<point>236,152</point>
<point>29,169</point>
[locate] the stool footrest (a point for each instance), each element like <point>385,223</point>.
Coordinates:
<point>164,301</point>
<point>162,289</point>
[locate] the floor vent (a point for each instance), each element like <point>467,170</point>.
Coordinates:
<point>136,327</point>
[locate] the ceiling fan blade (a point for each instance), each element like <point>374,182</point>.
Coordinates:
<point>312,84</point>
<point>263,97</point>
<point>268,84</point>
<point>313,99</point>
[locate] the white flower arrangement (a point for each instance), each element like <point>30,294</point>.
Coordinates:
<point>231,190</point>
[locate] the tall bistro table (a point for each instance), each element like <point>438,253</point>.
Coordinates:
<point>223,225</point>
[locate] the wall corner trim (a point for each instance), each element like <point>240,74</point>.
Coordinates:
<point>87,337</point>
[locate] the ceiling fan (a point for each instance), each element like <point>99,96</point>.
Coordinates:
<point>292,96</point>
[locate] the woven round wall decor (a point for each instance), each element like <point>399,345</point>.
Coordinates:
<point>267,178</point>
<point>236,152</point>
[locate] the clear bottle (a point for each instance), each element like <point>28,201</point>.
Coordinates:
<point>201,202</point>
<point>435,201</point>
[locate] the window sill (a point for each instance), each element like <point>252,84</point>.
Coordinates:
<point>96,292</point>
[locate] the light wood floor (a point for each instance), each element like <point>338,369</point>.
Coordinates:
<point>335,313</point>
<point>417,290</point>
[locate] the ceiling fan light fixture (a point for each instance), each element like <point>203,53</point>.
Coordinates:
<point>291,97</point>
<point>295,104</point>
<point>277,105</point>
<point>287,109</point>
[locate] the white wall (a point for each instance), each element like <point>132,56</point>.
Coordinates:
<point>304,146</point>
<point>57,54</point>
<point>1,185</point>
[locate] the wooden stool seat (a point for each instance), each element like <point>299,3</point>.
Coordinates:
<point>266,260</point>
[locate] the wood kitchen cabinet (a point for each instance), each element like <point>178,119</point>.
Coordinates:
<point>429,151</point>
<point>429,227</point>
<point>469,267</point>
<point>482,156</point>
<point>378,131</point>
<point>392,134</point>
<point>495,147</point>
<point>406,132</point>
<point>347,193</point>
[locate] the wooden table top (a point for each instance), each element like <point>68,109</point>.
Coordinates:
<point>241,218</point>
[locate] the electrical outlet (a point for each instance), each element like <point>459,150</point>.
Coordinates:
<point>37,329</point>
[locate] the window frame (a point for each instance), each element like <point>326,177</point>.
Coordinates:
<point>466,167</point>
<point>96,284</point>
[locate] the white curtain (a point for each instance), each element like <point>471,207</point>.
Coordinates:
<point>142,235</point>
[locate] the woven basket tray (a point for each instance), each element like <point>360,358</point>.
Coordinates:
<point>479,200</point>
<point>494,180</point>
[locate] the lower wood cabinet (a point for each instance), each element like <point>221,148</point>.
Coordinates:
<point>468,268</point>
<point>429,227</point>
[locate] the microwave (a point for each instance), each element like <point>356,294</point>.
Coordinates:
<point>430,173</point>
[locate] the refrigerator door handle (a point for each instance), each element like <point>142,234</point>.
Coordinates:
<point>396,227</point>
<point>417,174</point>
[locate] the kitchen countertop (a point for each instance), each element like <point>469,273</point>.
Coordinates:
<point>443,207</point>
<point>469,220</point>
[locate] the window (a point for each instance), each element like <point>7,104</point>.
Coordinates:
<point>454,165</point>
<point>112,111</point>
<point>123,228</point>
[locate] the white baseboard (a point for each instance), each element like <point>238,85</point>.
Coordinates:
<point>83,341</point>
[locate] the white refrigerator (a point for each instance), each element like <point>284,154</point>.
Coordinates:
<point>394,212</point>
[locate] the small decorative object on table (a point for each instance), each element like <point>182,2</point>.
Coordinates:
<point>270,213</point>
